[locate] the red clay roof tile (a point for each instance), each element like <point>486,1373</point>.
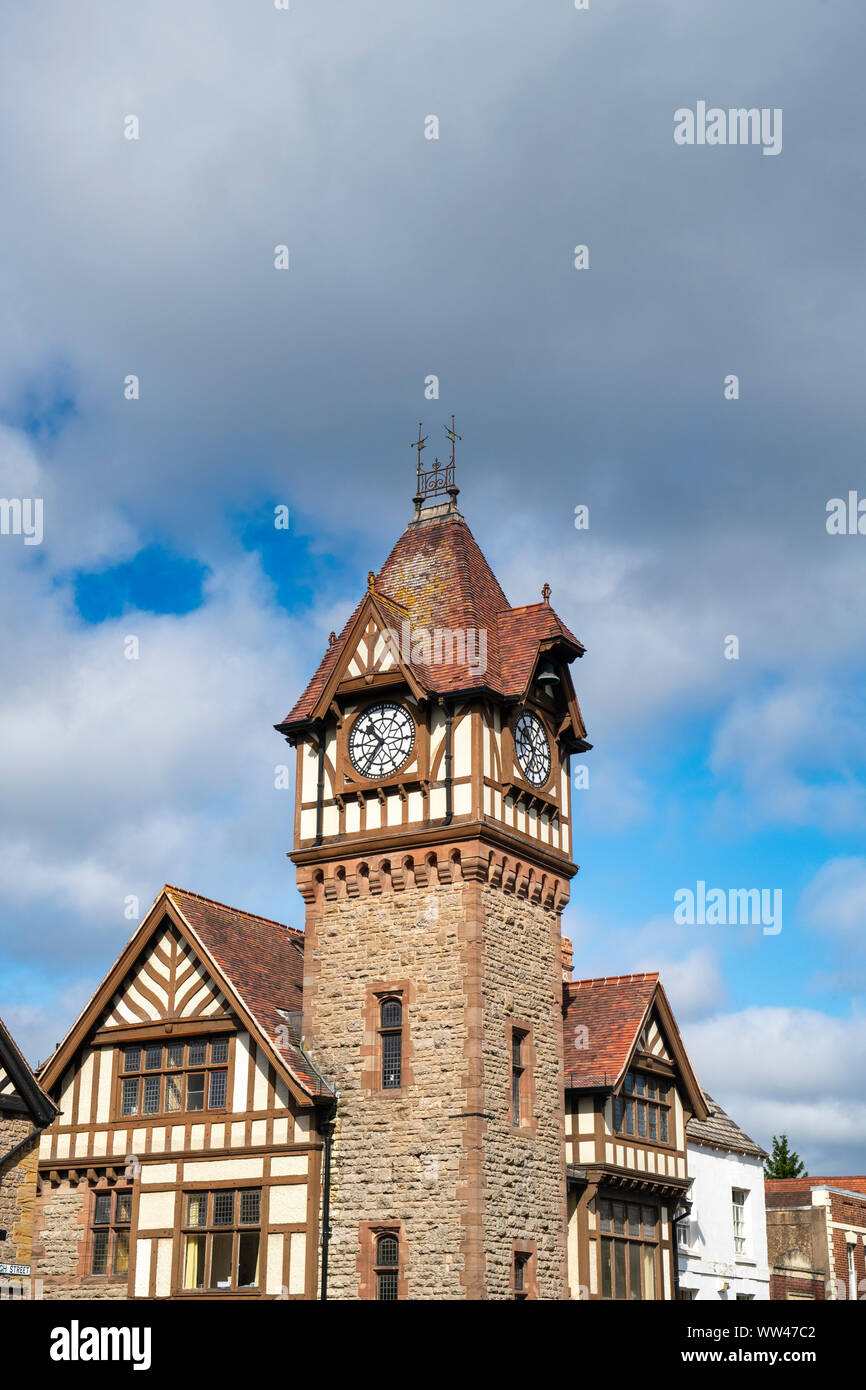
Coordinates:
<point>611,1009</point>
<point>437,577</point>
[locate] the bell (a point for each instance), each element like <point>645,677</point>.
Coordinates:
<point>548,678</point>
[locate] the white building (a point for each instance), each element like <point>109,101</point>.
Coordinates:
<point>723,1241</point>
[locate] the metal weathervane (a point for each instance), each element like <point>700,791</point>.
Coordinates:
<point>434,481</point>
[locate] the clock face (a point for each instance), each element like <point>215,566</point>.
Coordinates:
<point>381,740</point>
<point>532,748</point>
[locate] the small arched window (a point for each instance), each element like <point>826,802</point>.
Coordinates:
<point>391,1043</point>
<point>387,1267</point>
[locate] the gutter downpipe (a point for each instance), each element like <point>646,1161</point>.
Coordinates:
<point>675,1220</point>
<point>327,1129</point>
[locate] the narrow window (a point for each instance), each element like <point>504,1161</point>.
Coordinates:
<point>129,1099</point>
<point>150,1104</point>
<point>112,1214</point>
<point>738,1201</point>
<point>173,1093</point>
<point>521,1283</point>
<point>217,1091</point>
<point>195,1091</point>
<point>391,1043</point>
<point>386,1267</point>
<point>852,1275</point>
<point>518,1077</point>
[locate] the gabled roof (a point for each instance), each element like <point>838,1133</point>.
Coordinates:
<point>437,577</point>
<point>18,1083</point>
<point>612,1010</point>
<point>719,1132</point>
<point>255,961</point>
<point>611,1013</point>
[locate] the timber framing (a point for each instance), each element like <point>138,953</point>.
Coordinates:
<point>164,908</point>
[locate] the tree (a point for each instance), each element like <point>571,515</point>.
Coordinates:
<point>782,1163</point>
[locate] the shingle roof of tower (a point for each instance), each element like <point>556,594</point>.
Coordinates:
<point>719,1131</point>
<point>437,577</point>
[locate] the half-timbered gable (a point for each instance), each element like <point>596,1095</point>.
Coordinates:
<point>630,1091</point>
<point>185,1157</point>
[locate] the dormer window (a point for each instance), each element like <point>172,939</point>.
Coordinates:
<point>642,1108</point>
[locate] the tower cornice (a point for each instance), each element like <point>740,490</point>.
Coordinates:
<point>479,851</point>
<point>382,842</point>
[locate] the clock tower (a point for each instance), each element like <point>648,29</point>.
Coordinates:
<point>433,851</point>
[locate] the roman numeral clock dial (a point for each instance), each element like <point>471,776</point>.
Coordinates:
<point>532,748</point>
<point>381,740</point>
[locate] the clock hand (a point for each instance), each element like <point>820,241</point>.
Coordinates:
<point>373,755</point>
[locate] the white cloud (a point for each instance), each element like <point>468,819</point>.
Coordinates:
<point>789,1070</point>
<point>835,901</point>
<point>694,984</point>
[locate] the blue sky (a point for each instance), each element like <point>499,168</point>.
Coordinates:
<point>304,388</point>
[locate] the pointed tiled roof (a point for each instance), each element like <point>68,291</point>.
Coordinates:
<point>719,1131</point>
<point>262,960</point>
<point>611,1009</point>
<point>437,577</point>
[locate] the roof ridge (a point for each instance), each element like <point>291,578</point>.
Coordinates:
<point>819,1181</point>
<point>633,978</point>
<point>241,912</point>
